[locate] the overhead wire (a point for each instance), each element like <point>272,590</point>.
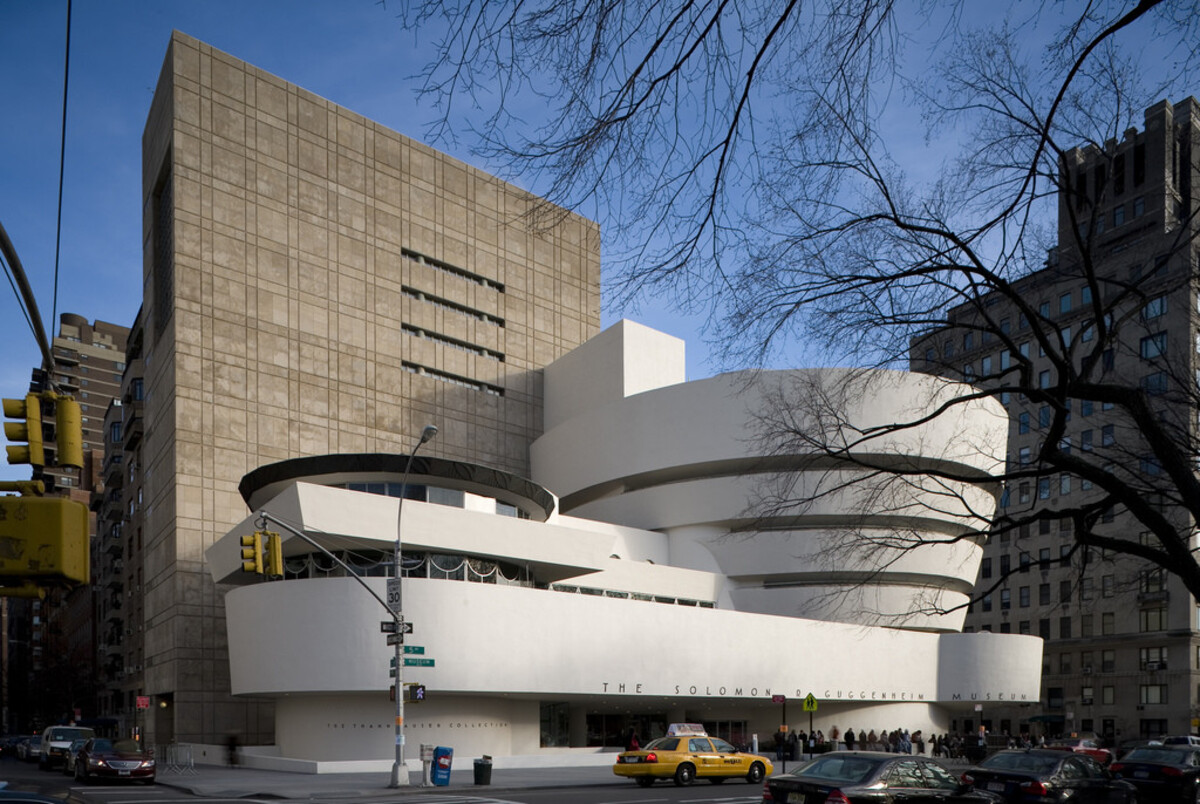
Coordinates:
<point>62,164</point>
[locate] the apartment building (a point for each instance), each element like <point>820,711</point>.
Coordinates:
<point>1122,637</point>
<point>52,672</point>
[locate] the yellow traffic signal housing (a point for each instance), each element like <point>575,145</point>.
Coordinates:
<point>252,553</point>
<point>68,432</point>
<point>30,431</point>
<point>43,539</point>
<point>274,555</point>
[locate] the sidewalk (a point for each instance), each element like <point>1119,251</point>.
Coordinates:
<point>225,782</point>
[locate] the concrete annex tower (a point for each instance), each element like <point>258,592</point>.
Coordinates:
<point>314,284</point>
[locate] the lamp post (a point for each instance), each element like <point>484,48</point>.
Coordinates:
<point>399,775</point>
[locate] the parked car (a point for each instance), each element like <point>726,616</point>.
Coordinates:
<point>30,749</point>
<point>1083,745</point>
<point>1047,775</point>
<point>688,753</point>
<point>1165,773</point>
<point>55,742</point>
<point>1184,739</point>
<point>69,760</point>
<point>122,760</point>
<point>872,777</point>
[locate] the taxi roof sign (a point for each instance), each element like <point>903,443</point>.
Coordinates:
<point>686,730</point>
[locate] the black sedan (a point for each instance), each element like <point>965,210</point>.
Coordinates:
<point>1166,773</point>
<point>870,777</point>
<point>118,760</point>
<point>1048,775</point>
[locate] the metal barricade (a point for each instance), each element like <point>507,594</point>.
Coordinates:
<point>174,758</point>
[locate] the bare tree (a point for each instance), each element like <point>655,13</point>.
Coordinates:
<point>756,160</point>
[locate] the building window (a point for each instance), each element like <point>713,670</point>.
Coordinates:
<point>987,603</point>
<point>1085,441</point>
<point>1107,436</point>
<point>1064,484</point>
<point>1023,421</point>
<point>1155,308</point>
<point>985,568</point>
<point>1044,628</point>
<point>1043,488</point>
<point>1154,346</point>
<point>1064,627</point>
<point>1043,379</point>
<point>1108,623</point>
<point>1005,564</point>
<point>1064,591</point>
<point>1118,214</point>
<point>1024,561</point>
<point>1108,695</point>
<point>1023,597</point>
<point>1139,206</point>
<point>1153,658</point>
<point>1086,625</point>
<point>1152,694</point>
<point>1005,599</point>
<point>1153,620</point>
<point>1064,303</point>
<point>1155,383</point>
<point>1044,594</point>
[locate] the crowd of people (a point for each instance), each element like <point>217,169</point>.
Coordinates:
<point>952,745</point>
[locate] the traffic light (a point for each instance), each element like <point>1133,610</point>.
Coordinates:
<point>44,539</point>
<point>274,555</point>
<point>68,432</point>
<point>416,693</point>
<point>252,553</point>
<point>30,431</point>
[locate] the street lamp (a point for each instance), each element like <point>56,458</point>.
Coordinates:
<point>399,775</point>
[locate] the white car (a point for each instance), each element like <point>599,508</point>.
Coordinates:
<point>1187,739</point>
<point>56,741</point>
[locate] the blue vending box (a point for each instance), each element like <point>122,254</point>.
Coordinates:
<point>442,759</point>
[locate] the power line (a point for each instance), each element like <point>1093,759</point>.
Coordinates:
<point>62,164</point>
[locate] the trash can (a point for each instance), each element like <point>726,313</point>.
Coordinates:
<point>483,770</point>
<point>443,758</point>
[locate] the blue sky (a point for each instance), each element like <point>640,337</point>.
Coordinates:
<point>353,52</point>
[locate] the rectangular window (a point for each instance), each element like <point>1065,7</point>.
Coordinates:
<point>1154,383</point>
<point>1152,694</point>
<point>1023,597</point>
<point>1005,564</point>
<point>1044,594</point>
<point>1154,308</point>
<point>985,365</point>
<point>1064,591</point>
<point>1005,599</point>
<point>1086,407</point>
<point>1043,379</point>
<point>1023,423</point>
<point>985,568</point>
<point>1108,585</point>
<point>1118,214</point>
<point>1064,627</point>
<point>987,602</point>
<point>1064,303</point>
<point>1064,484</point>
<point>1024,561</point>
<point>1107,436</point>
<point>1108,623</point>
<point>1151,659</point>
<point>1085,441</point>
<point>1043,488</point>
<point>1139,206</point>
<point>1044,629</point>
<point>1154,346</point>
<point>1108,695</point>
<point>1153,620</point>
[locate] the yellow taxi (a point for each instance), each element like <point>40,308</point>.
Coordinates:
<point>688,753</point>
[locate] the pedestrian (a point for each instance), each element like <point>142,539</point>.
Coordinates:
<point>631,741</point>
<point>231,750</point>
<point>793,746</point>
<point>779,744</point>
<point>851,738</point>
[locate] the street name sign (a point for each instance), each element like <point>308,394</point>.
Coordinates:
<point>417,662</point>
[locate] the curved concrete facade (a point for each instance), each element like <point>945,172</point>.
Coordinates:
<point>686,459</point>
<point>655,597</point>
